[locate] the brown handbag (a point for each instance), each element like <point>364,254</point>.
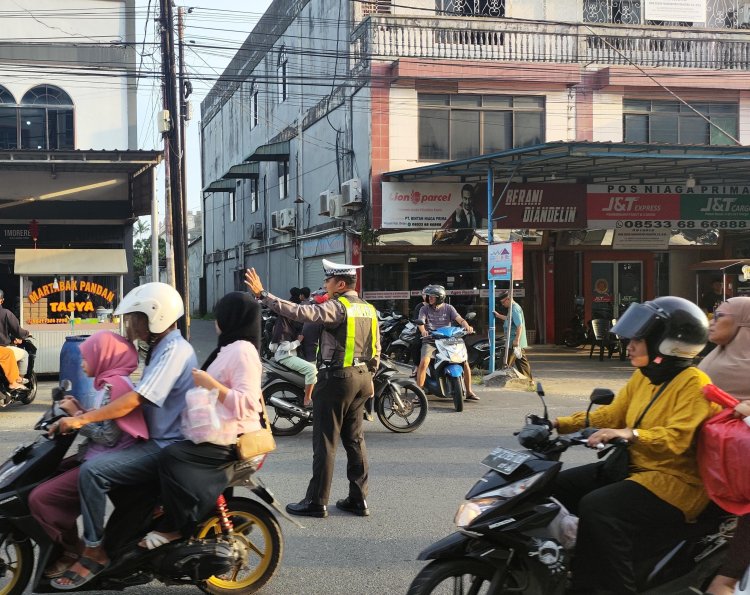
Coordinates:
<point>257,442</point>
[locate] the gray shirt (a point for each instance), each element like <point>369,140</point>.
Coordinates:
<point>435,317</point>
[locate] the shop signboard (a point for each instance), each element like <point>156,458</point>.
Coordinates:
<point>504,260</point>
<point>641,239</point>
<point>541,206</point>
<point>687,11</point>
<point>425,205</point>
<point>668,206</point>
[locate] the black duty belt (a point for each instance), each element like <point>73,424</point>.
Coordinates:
<point>329,365</point>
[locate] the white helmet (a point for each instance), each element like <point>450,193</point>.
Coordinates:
<point>158,301</point>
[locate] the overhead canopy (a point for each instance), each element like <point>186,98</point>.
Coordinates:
<point>590,162</point>
<point>731,266</point>
<point>67,261</point>
<point>221,186</point>
<point>271,152</point>
<point>243,171</point>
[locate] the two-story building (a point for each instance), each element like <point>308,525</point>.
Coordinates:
<point>613,132</point>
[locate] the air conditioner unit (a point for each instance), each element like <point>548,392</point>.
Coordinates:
<point>276,221</point>
<point>257,231</point>
<point>323,210</point>
<point>334,206</point>
<point>287,219</point>
<point>351,192</point>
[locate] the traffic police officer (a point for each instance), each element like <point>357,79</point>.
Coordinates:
<point>350,348</point>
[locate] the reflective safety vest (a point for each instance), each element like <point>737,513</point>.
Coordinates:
<point>360,341</point>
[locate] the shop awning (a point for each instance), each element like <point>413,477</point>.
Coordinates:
<point>271,152</point>
<point>243,171</point>
<point>732,266</point>
<point>67,261</point>
<point>221,186</point>
<point>591,163</point>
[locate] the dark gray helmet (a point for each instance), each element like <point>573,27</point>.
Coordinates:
<point>435,290</point>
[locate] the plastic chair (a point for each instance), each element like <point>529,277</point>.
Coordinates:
<point>601,336</point>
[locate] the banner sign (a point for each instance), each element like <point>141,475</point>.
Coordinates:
<point>668,206</point>
<point>501,258</point>
<point>420,205</point>
<point>688,11</point>
<point>541,206</point>
<point>641,239</point>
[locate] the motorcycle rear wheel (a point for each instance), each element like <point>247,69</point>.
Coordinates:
<point>282,423</point>
<point>452,576</point>
<point>28,396</point>
<point>458,392</point>
<point>16,563</point>
<point>257,526</point>
<point>405,418</point>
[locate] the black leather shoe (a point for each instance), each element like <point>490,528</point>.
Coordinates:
<point>307,508</point>
<point>353,506</point>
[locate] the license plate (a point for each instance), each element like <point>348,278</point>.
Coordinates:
<point>452,341</point>
<point>504,460</point>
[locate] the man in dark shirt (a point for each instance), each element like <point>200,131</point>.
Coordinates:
<point>12,334</point>
<point>711,299</point>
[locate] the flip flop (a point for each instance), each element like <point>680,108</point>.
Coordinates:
<point>59,566</point>
<point>76,580</point>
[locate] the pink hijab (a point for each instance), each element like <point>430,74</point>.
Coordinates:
<point>111,359</point>
<point>728,365</point>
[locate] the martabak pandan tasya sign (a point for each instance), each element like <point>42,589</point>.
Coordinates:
<point>56,292</point>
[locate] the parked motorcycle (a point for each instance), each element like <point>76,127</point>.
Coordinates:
<point>22,395</point>
<point>401,406</point>
<point>390,330</point>
<point>478,351</point>
<point>578,333</point>
<point>236,550</point>
<point>409,340</point>
<point>445,373</point>
<point>509,537</point>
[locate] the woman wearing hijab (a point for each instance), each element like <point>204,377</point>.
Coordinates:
<point>193,475</point>
<point>728,367</point>
<point>56,504</point>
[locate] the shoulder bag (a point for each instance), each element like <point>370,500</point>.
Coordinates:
<point>257,442</point>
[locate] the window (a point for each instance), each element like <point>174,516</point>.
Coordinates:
<point>281,75</point>
<point>250,99</point>
<point>283,179</point>
<point>233,202</point>
<point>254,110</point>
<point>253,196</point>
<point>646,121</point>
<point>46,119</point>
<point>627,12</point>
<point>8,120</point>
<point>461,126</point>
<point>471,8</point>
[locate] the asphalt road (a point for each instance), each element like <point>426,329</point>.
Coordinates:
<point>416,480</point>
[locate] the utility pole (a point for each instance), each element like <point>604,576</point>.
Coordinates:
<point>172,158</point>
<point>184,92</point>
<point>165,125</point>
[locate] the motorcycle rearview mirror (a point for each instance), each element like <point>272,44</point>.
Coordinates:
<point>540,392</point>
<point>65,387</point>
<point>470,316</point>
<point>599,396</point>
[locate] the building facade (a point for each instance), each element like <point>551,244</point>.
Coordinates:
<point>318,106</point>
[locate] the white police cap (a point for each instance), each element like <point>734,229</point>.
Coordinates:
<point>331,269</point>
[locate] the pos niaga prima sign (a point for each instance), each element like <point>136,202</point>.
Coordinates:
<point>419,205</point>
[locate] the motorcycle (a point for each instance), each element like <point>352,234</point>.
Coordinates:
<point>268,321</point>
<point>578,333</point>
<point>22,395</point>
<point>236,550</point>
<point>513,536</point>
<point>390,330</point>
<point>478,352</point>
<point>401,406</point>
<point>445,373</point>
<point>409,340</point>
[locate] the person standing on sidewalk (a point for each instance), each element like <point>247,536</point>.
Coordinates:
<point>350,350</point>
<point>515,326</point>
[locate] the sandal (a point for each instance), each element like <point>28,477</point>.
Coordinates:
<point>76,580</point>
<point>154,539</point>
<point>57,568</point>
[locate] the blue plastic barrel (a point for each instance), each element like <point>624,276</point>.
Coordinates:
<point>70,369</point>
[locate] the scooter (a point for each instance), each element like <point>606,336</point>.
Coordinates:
<point>401,406</point>
<point>514,537</point>
<point>22,395</point>
<point>445,373</point>
<point>401,349</point>
<point>236,550</point>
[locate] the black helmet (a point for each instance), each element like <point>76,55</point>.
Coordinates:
<point>435,290</point>
<point>671,326</point>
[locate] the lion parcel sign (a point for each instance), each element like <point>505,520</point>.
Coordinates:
<point>419,205</point>
<point>670,206</point>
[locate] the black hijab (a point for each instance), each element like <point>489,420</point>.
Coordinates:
<point>238,318</point>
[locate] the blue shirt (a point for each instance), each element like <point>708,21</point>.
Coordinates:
<point>164,383</point>
<point>517,319</point>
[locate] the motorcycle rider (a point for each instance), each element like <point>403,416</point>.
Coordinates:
<point>150,312</point>
<point>437,314</point>
<point>12,334</point>
<point>350,350</point>
<point>663,488</point>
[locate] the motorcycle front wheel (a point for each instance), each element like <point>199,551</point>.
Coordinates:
<point>28,396</point>
<point>16,565</point>
<point>401,408</point>
<point>259,531</point>
<point>457,391</point>
<point>453,576</point>
<point>283,423</point>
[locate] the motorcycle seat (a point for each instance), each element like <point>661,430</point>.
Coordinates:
<point>241,471</point>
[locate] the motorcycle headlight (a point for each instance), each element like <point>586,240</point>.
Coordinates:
<point>468,511</point>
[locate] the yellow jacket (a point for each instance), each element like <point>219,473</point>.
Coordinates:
<point>663,457</point>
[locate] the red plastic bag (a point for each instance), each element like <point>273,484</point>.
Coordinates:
<point>723,449</point>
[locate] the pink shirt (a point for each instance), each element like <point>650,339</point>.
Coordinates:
<point>238,367</point>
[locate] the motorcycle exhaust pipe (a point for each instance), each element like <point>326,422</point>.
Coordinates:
<point>287,407</point>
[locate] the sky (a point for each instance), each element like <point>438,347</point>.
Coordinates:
<point>221,24</point>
